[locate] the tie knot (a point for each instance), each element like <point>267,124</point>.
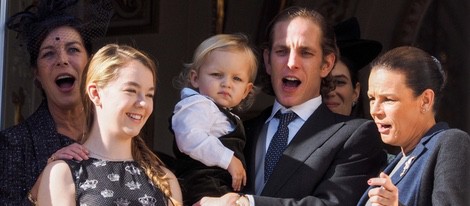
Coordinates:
<point>285,118</point>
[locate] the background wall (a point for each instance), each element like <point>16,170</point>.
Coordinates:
<point>439,27</point>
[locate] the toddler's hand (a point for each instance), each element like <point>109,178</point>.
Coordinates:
<point>235,168</point>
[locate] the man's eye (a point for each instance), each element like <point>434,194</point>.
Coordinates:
<point>281,52</point>
<point>306,53</point>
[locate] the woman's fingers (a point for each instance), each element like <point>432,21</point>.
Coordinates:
<point>385,192</point>
<point>73,151</point>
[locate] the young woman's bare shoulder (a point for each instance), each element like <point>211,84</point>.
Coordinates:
<point>169,173</point>
<point>174,185</point>
<point>56,185</point>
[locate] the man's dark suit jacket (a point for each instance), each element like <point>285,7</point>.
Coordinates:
<point>328,162</point>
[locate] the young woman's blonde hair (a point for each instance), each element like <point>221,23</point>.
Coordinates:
<point>221,42</point>
<point>103,68</point>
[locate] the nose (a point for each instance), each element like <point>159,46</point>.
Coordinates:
<point>226,82</point>
<point>331,94</point>
<point>62,58</point>
<point>292,62</point>
<point>141,101</point>
<point>375,109</point>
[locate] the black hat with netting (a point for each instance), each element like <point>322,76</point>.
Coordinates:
<point>89,17</point>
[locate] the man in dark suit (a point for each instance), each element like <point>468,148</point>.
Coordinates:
<point>329,157</point>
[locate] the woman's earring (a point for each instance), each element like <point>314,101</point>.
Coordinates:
<point>354,103</point>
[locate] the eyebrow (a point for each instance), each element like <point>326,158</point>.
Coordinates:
<point>279,46</point>
<point>66,45</point>
<point>388,94</point>
<point>341,75</point>
<point>130,83</point>
<point>308,49</point>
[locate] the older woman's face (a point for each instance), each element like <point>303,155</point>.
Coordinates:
<point>395,109</point>
<point>61,60</point>
<point>341,99</point>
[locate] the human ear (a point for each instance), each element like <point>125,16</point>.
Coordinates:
<point>35,71</point>
<point>427,100</point>
<point>193,78</point>
<point>248,89</point>
<point>93,94</point>
<point>328,64</point>
<point>266,59</point>
<point>37,81</point>
<point>356,91</point>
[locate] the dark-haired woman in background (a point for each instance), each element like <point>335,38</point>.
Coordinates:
<point>59,46</point>
<point>405,89</point>
<point>355,53</point>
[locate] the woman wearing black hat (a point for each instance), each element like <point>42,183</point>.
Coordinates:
<point>59,47</point>
<point>355,54</point>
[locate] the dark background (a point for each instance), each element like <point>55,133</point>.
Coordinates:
<point>170,30</point>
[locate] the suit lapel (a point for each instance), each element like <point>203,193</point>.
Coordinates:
<point>426,144</point>
<point>310,137</point>
<point>387,170</point>
<point>405,167</point>
<point>253,128</point>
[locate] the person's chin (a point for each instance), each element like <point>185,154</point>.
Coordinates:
<point>336,110</point>
<point>289,100</point>
<point>333,106</point>
<point>132,132</point>
<point>387,138</point>
<point>66,101</point>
